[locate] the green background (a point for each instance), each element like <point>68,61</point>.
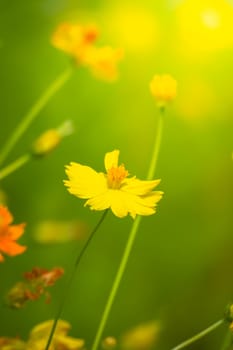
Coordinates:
<point>180,270</point>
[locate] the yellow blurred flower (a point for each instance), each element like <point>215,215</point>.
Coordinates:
<point>78,41</point>
<point>113,190</point>
<point>12,344</point>
<point>103,61</point>
<point>51,138</point>
<point>40,333</point>
<point>163,88</point>
<point>73,39</point>
<point>142,337</point>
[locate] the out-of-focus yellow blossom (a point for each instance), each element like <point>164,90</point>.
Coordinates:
<point>103,61</point>
<point>12,344</point>
<point>74,39</point>
<point>109,343</point>
<point>50,231</point>
<point>50,139</point>
<point>113,190</point>
<point>163,88</point>
<point>39,336</point>
<point>142,337</point>
<point>78,41</point>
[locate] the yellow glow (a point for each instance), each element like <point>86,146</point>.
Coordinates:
<point>205,25</point>
<point>195,100</point>
<point>135,28</point>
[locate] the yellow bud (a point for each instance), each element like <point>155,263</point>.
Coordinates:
<point>46,143</point>
<point>142,337</point>
<point>163,88</point>
<point>50,139</point>
<point>109,343</point>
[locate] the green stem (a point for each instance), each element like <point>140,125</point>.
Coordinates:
<point>128,247</point>
<point>227,342</point>
<point>18,163</point>
<point>33,112</point>
<point>199,335</point>
<point>70,279</point>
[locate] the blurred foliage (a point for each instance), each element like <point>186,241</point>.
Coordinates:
<point>181,266</point>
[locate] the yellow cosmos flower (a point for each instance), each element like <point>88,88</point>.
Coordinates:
<point>73,39</point>
<point>113,190</point>
<point>163,88</point>
<point>103,61</point>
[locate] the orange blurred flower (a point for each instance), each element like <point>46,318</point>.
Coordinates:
<point>103,61</point>
<point>9,234</point>
<point>73,39</point>
<point>78,42</point>
<point>35,284</point>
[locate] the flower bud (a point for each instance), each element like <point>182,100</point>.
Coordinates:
<point>163,88</point>
<point>50,139</point>
<point>109,343</point>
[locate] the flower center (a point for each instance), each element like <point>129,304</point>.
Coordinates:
<point>115,176</point>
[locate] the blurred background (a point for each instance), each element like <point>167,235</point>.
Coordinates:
<point>180,270</point>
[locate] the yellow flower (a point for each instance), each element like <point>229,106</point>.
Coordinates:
<point>39,336</point>
<point>78,42</point>
<point>73,39</point>
<point>102,61</point>
<point>112,190</point>
<point>163,88</point>
<point>51,138</point>
<point>142,337</point>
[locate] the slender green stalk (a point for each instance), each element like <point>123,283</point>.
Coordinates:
<point>70,279</point>
<point>129,244</point>
<point>18,163</point>
<point>199,335</point>
<point>227,342</point>
<point>33,112</point>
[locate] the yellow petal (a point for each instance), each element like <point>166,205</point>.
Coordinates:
<point>84,182</point>
<point>138,187</point>
<point>42,329</point>
<point>111,159</point>
<point>69,342</point>
<point>100,202</point>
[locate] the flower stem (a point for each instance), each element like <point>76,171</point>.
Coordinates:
<point>227,342</point>
<point>18,163</point>
<point>199,335</point>
<point>128,247</point>
<point>70,279</point>
<point>33,112</point>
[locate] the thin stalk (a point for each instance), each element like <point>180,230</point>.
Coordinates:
<point>70,279</point>
<point>227,342</point>
<point>33,112</point>
<point>18,163</point>
<point>129,244</point>
<point>199,335</point>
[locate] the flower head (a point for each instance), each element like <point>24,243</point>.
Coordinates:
<point>9,234</point>
<point>113,189</point>
<point>103,61</point>
<point>163,88</point>
<point>40,333</point>
<point>78,41</point>
<point>74,39</point>
<point>51,138</point>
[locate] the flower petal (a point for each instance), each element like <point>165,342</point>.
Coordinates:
<point>138,187</point>
<point>100,202</point>
<point>5,216</point>
<point>84,182</point>
<point>11,248</point>
<point>16,231</point>
<point>124,203</point>
<point>111,159</point>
